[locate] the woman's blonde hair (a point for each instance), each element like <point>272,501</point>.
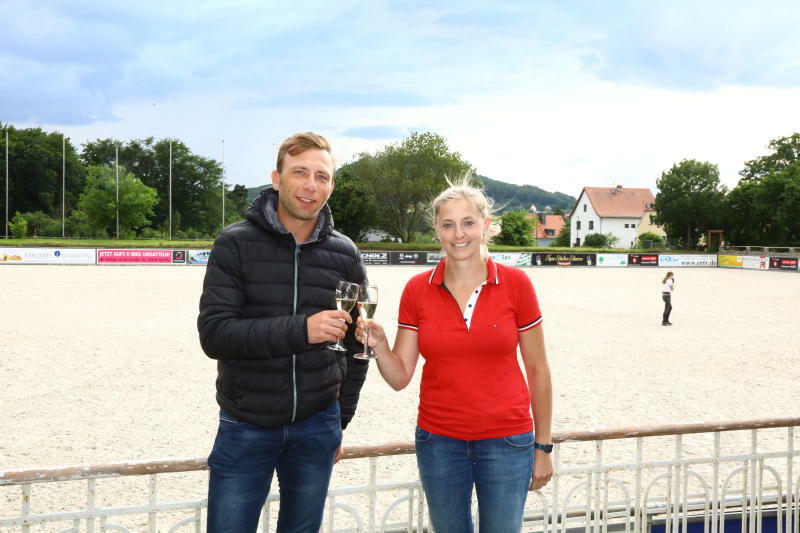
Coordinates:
<point>464,188</point>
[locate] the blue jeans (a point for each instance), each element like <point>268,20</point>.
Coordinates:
<point>500,469</point>
<point>244,458</point>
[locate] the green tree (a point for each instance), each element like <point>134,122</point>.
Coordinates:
<point>35,171</point>
<point>196,180</point>
<point>405,177</point>
<point>353,205</point>
<point>563,239</point>
<point>517,229</point>
<point>41,225</point>
<point>649,239</point>
<point>236,203</point>
<point>785,153</point>
<point>98,201</point>
<point>596,240</point>
<point>690,200</point>
<point>18,226</point>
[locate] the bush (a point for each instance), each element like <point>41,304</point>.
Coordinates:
<point>595,240</point>
<point>42,225</point>
<point>649,239</point>
<point>516,229</point>
<point>18,226</point>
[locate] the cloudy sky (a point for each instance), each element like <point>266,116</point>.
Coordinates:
<point>558,94</point>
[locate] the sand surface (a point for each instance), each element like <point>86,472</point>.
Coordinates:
<point>102,364</point>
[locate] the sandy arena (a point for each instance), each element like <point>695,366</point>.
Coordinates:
<point>102,364</point>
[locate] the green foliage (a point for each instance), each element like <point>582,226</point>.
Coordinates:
<point>563,239</point>
<point>98,201</point>
<point>41,225</point>
<point>517,229</point>
<point>785,153</point>
<point>649,239</point>
<point>596,240</point>
<point>509,197</point>
<point>353,205</point>
<point>18,226</point>
<point>196,180</point>
<point>690,200</point>
<point>35,171</point>
<point>405,177</point>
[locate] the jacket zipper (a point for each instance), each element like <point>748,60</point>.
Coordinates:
<point>294,312</point>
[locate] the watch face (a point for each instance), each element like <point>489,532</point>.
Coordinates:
<point>546,448</point>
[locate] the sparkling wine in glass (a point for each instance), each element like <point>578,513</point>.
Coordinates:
<point>346,296</point>
<point>367,304</point>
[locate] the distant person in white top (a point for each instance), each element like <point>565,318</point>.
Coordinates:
<point>667,286</point>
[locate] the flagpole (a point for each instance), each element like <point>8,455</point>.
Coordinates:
<point>63,184</point>
<point>116,167</point>
<point>170,189</point>
<point>223,183</point>
<point>6,181</point>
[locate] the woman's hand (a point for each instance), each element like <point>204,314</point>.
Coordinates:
<point>376,333</point>
<point>542,470</point>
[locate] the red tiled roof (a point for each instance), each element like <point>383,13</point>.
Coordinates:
<point>618,202</point>
<point>553,222</point>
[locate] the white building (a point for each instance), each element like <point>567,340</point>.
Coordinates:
<point>609,210</point>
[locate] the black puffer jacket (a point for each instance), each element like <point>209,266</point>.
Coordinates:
<point>259,289</point>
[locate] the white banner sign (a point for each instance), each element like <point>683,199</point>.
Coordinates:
<point>755,262</point>
<point>48,256</point>
<point>689,260</point>
<point>612,260</point>
<point>199,257</point>
<point>516,259</point>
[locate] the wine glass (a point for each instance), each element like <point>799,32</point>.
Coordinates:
<point>367,303</point>
<point>346,295</point>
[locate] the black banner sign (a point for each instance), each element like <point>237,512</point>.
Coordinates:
<point>178,256</point>
<point>783,263</point>
<point>563,259</point>
<point>643,260</point>
<point>408,258</point>
<point>375,258</point>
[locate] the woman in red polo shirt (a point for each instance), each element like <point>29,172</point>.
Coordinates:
<point>467,317</point>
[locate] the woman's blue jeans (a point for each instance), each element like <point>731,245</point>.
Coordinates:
<point>500,470</point>
<point>244,458</point>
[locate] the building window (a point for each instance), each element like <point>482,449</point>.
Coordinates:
<point>627,225</point>
<point>584,208</point>
<point>633,225</point>
<point>550,232</point>
<point>578,224</point>
<point>591,224</point>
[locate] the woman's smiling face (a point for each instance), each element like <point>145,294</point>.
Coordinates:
<point>460,227</point>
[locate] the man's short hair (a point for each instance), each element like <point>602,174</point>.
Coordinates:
<point>299,143</point>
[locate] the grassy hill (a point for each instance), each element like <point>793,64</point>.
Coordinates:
<point>506,196</point>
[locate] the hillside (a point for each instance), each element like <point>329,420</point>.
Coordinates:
<point>506,196</point>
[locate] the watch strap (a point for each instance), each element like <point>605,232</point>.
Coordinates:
<point>546,448</point>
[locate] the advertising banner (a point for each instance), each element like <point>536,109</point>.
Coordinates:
<point>612,260</point>
<point>375,258</point>
<point>643,259</point>
<point>732,261</point>
<point>122,256</point>
<point>783,263</point>
<point>687,260</point>
<point>434,258</point>
<point>48,256</point>
<point>408,258</point>
<point>198,257</point>
<point>178,257</point>
<point>755,262</point>
<point>563,259</point>
<point>516,259</point>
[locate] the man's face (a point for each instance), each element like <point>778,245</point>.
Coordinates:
<point>304,184</point>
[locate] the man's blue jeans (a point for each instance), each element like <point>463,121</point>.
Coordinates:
<point>244,458</point>
<point>500,469</point>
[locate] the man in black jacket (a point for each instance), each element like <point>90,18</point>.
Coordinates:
<point>267,315</point>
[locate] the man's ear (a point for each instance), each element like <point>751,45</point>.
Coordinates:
<point>276,180</point>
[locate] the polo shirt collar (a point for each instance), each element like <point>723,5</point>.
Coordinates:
<point>437,276</point>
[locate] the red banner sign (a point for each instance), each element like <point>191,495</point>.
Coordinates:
<point>125,256</point>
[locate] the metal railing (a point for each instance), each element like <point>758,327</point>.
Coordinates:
<point>605,480</point>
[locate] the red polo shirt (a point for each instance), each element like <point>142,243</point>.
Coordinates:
<point>472,387</point>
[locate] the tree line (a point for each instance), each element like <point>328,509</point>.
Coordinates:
<point>51,181</point>
<point>762,209</point>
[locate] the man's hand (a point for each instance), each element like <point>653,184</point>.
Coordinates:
<point>339,454</point>
<point>327,326</point>
<point>542,470</point>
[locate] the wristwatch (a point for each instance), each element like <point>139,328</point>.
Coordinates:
<point>546,448</point>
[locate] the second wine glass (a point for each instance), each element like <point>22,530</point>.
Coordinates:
<point>346,296</point>
<point>367,304</point>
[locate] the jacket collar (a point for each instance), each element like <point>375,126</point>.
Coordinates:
<point>263,212</point>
